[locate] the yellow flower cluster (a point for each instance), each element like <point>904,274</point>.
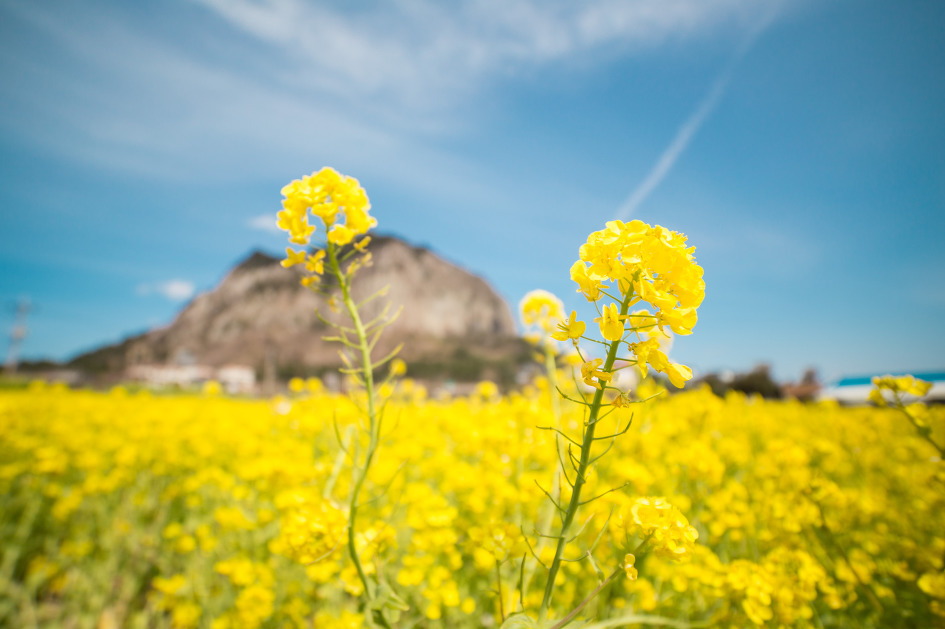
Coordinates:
<point>338,201</point>
<point>663,529</point>
<point>806,515</point>
<point>646,264</point>
<point>651,262</point>
<point>311,527</point>
<point>933,584</point>
<point>541,311</point>
<point>329,195</point>
<point>897,386</point>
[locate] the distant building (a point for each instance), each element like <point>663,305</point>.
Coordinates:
<point>807,389</point>
<point>856,389</point>
<point>233,378</point>
<point>163,376</point>
<point>237,378</point>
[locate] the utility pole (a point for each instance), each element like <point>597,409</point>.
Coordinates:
<point>17,334</point>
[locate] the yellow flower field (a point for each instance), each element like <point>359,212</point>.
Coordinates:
<point>126,509</point>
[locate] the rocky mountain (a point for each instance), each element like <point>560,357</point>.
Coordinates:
<point>452,323</point>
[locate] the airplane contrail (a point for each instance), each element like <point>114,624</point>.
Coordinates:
<point>668,159</point>
<point>692,124</point>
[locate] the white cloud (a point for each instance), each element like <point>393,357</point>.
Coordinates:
<point>174,290</point>
<point>255,87</point>
<point>265,222</point>
<point>422,53</point>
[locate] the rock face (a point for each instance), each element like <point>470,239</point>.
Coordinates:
<point>260,315</point>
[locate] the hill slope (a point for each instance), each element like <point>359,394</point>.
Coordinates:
<point>260,313</point>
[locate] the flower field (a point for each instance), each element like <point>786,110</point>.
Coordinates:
<point>126,509</point>
<point>580,500</point>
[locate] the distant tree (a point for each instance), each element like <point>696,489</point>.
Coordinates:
<point>759,381</point>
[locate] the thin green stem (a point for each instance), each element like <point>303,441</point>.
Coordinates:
<point>367,376</point>
<point>345,444</point>
<point>829,536</point>
<point>583,464</point>
<point>498,584</point>
<point>545,520</point>
<point>574,612</point>
<point>924,431</point>
<point>551,369</point>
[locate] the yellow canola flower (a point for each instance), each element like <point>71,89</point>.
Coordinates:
<point>340,235</point>
<point>243,572</point>
<point>357,219</point>
<point>652,261</point>
<point>679,320</point>
<point>611,324</point>
<point>541,308</point>
<point>902,384</point>
<point>315,263</point>
<point>649,354</point>
<point>293,257</point>
<point>666,530</point>
<point>361,246</point>
<point>621,400</point>
<point>642,321</point>
<point>589,371</point>
<point>573,329</point>
<point>327,194</point>
<point>586,284</point>
<point>933,584</point>
<point>297,225</point>
<point>170,586</point>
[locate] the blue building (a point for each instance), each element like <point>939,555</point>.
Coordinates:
<point>856,389</point>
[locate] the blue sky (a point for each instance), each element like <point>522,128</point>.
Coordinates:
<point>799,144</point>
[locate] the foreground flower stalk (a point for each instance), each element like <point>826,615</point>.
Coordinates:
<point>894,391</point>
<point>645,264</point>
<point>580,473</point>
<point>342,205</point>
<point>541,312</point>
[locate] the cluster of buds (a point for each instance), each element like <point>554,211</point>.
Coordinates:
<point>342,206</point>
<point>645,264</point>
<point>897,386</point>
<point>541,311</point>
<point>310,527</point>
<point>665,531</point>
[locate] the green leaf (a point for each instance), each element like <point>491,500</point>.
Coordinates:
<point>519,621</point>
<point>646,620</point>
<point>385,598</point>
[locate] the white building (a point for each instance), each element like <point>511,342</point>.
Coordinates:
<point>233,378</point>
<point>856,389</point>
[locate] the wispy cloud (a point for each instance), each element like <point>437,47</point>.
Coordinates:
<point>242,87</point>
<point>174,290</point>
<point>264,222</point>
<point>696,119</point>
<point>423,53</point>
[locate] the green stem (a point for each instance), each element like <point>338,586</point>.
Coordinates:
<point>360,472</point>
<point>829,536</point>
<point>551,369</point>
<point>544,522</point>
<point>924,431</point>
<point>346,443</point>
<point>498,584</point>
<point>574,612</point>
<point>582,469</point>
